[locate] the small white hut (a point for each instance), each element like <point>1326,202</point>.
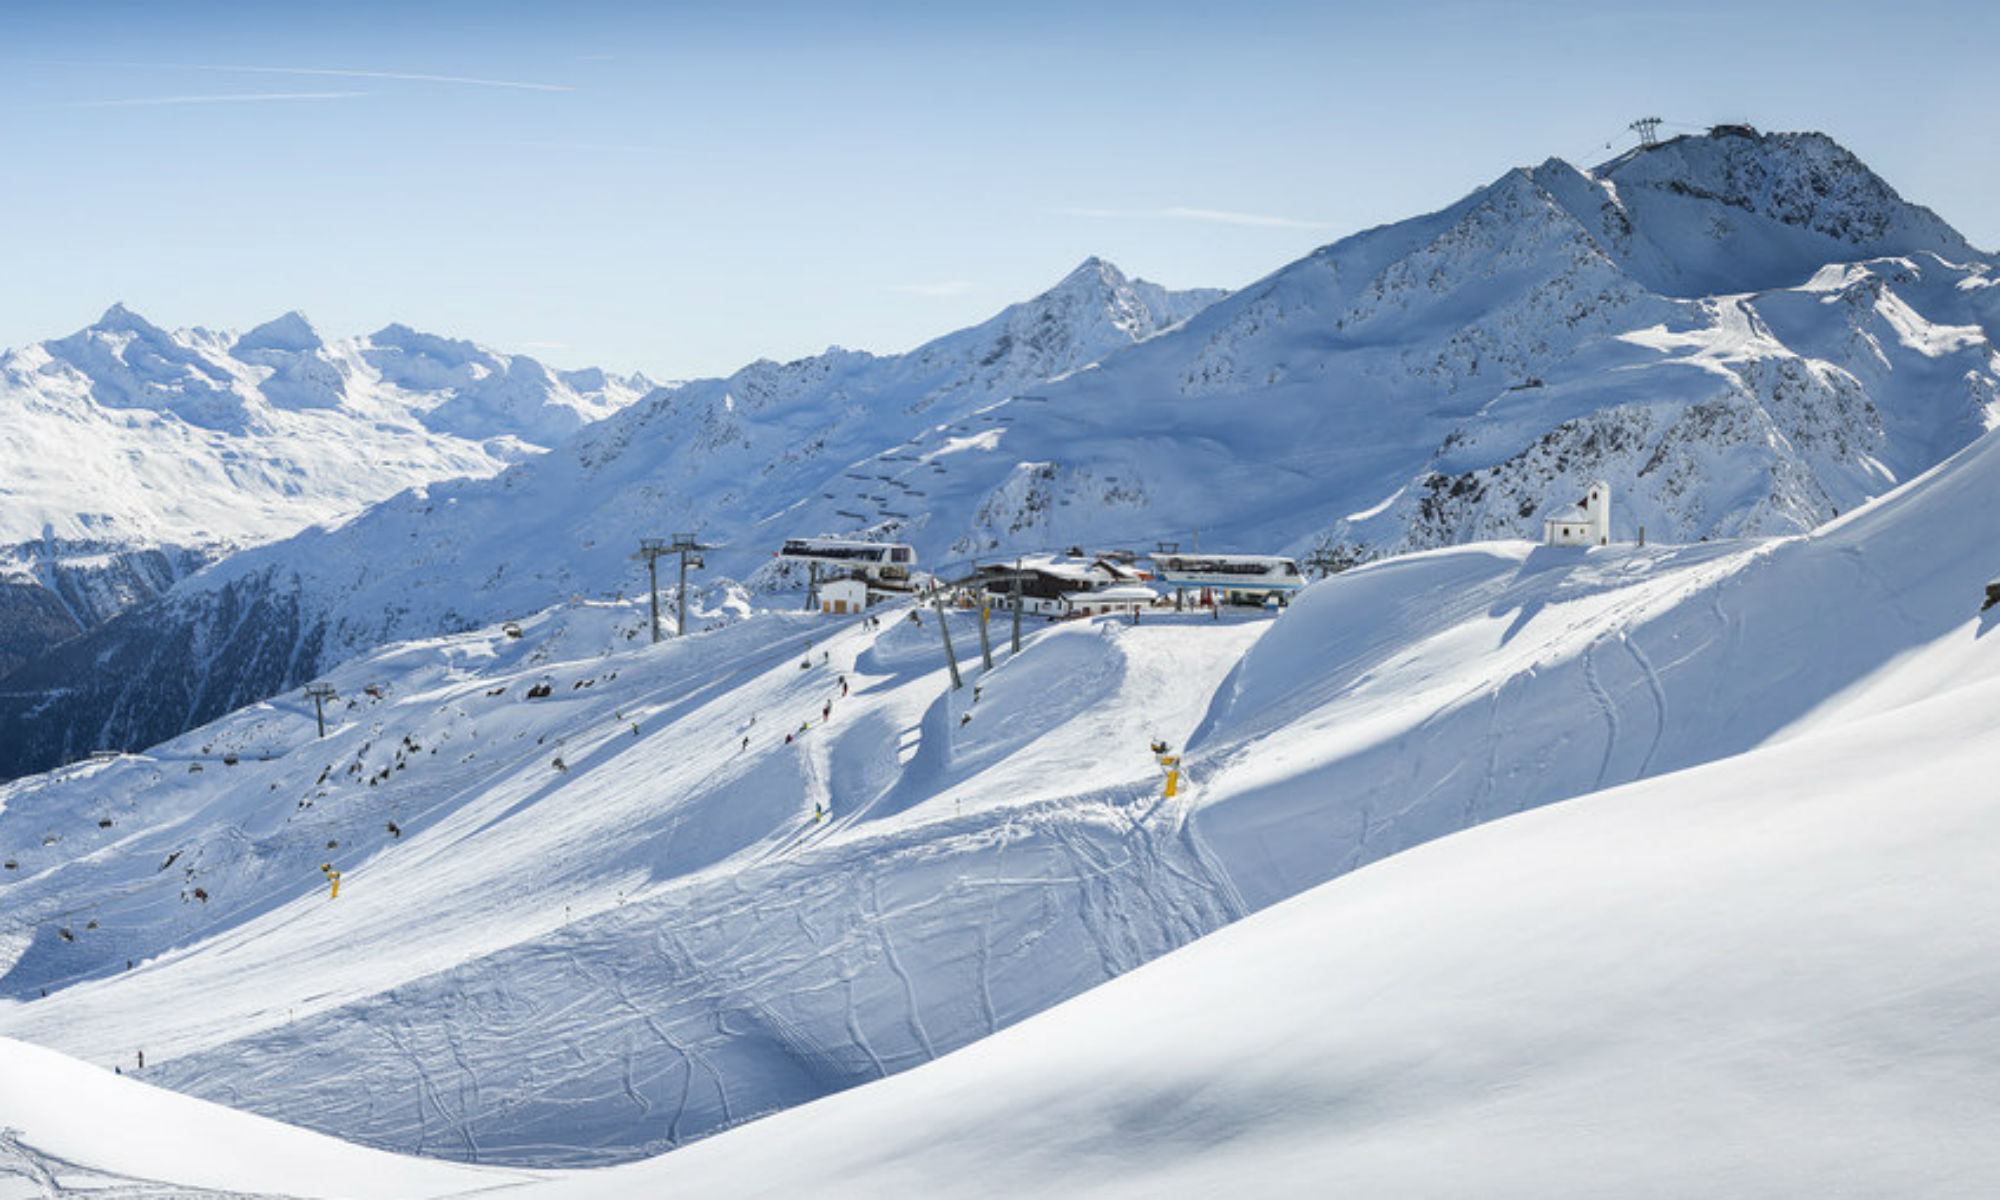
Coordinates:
<point>1585,523</point>
<point>843,595</point>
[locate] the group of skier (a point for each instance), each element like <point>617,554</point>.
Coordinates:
<point>825,710</point>
<point>805,726</point>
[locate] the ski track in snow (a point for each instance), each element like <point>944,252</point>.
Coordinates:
<point>1659,694</point>
<point>686,947</point>
<point>51,1177</point>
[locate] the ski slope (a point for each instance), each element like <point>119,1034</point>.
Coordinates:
<point>67,1128</point>
<point>657,940</point>
<point>525,908</point>
<point>1768,977</point>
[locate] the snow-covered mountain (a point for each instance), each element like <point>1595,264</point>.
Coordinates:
<point>132,455</point>
<point>1743,334</point>
<point>1711,326</point>
<point>601,897</point>
<point>715,455</point>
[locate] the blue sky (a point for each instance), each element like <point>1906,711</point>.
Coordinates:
<point>680,190</point>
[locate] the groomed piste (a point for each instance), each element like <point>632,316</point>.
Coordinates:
<point>1772,940</point>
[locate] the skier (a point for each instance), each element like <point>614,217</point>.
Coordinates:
<point>745,746</point>
<point>142,1060</point>
<point>843,687</point>
<point>826,711</point>
<point>819,812</point>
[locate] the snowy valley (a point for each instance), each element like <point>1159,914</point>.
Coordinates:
<point>1680,841</point>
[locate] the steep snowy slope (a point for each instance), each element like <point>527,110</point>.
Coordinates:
<point>71,1129</point>
<point>719,456</point>
<point>132,455</point>
<point>607,920</point>
<point>1769,977</point>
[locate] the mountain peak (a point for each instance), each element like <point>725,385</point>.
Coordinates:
<point>451,352</point>
<point>290,333</point>
<point>1804,180</point>
<point>1093,271</point>
<point>120,319</point>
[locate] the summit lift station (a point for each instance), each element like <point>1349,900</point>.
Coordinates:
<point>871,560</point>
<point>1245,578</point>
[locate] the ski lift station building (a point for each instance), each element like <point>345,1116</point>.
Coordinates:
<point>1239,578</point>
<point>849,575</point>
<point>1061,585</point>
<point>1585,523</point>
<point>869,560</point>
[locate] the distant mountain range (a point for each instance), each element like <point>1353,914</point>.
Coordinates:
<point>1741,333</point>
<point>131,455</point>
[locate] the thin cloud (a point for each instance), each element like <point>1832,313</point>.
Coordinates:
<point>317,72</point>
<point>943,289</point>
<point>1213,216</point>
<point>225,98</point>
<point>595,147</point>
<point>406,76</point>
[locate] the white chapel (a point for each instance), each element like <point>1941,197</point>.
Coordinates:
<point>1585,523</point>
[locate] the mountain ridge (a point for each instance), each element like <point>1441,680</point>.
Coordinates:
<point>1435,381</point>
<point>135,455</point>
